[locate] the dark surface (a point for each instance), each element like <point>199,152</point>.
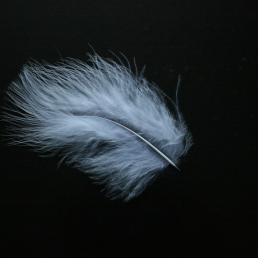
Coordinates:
<point>202,212</point>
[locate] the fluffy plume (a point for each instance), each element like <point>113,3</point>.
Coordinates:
<point>100,118</point>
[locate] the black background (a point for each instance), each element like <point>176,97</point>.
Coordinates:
<point>202,212</point>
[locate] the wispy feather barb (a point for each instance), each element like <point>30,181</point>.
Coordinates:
<point>101,118</point>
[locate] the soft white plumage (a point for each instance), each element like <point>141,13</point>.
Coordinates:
<point>101,118</point>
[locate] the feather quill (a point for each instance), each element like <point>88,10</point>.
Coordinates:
<point>101,118</point>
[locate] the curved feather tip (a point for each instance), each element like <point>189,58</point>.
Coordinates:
<point>101,118</point>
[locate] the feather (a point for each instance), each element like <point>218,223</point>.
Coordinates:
<point>101,118</point>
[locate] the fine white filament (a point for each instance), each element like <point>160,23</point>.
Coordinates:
<point>100,118</point>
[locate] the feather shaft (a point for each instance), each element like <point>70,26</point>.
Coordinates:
<point>143,139</point>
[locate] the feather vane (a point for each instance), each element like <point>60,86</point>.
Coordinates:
<point>100,118</point>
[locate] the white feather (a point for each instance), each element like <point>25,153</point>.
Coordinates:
<point>101,118</point>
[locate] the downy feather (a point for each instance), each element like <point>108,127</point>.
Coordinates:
<point>101,118</point>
